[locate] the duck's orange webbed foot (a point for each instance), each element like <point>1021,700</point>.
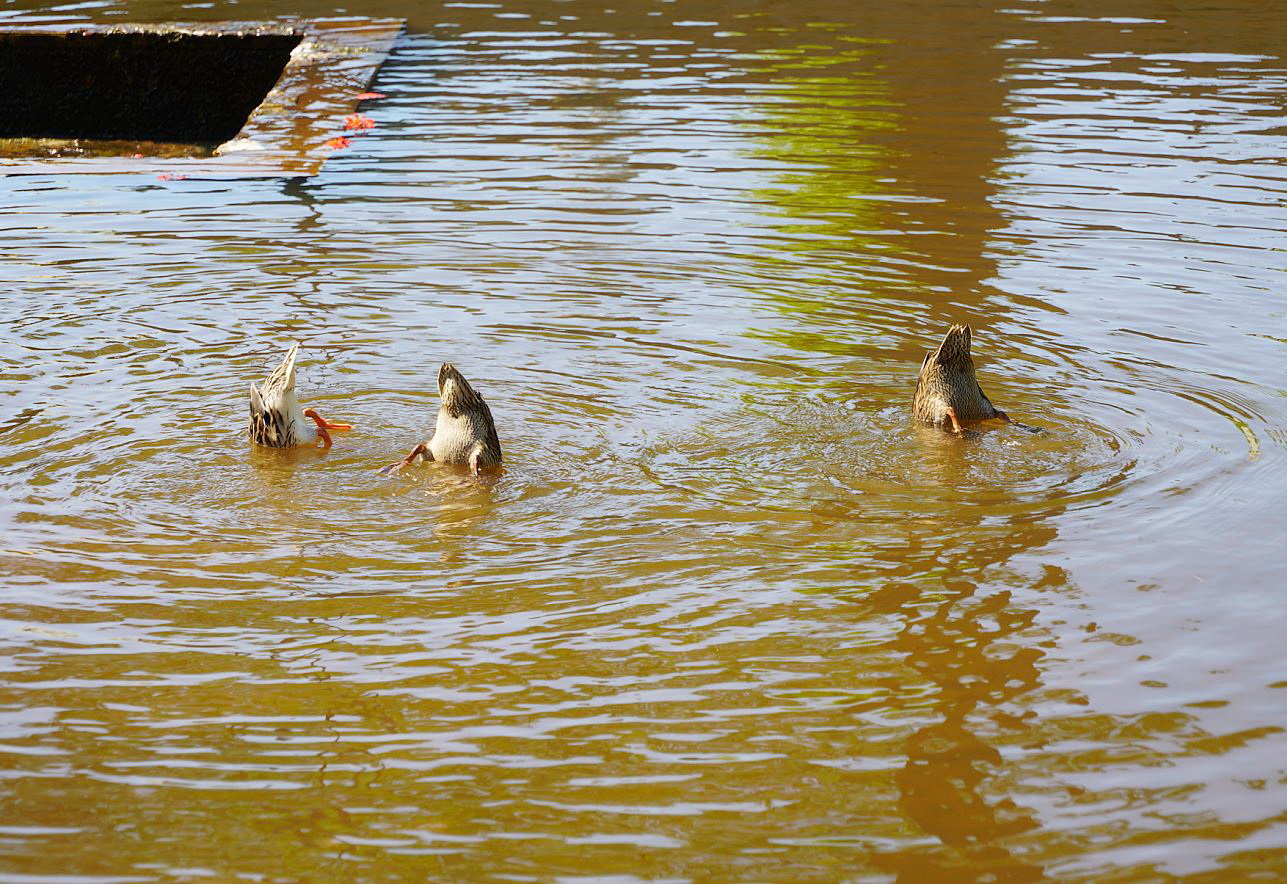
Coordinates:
<point>323,423</point>
<point>421,449</point>
<point>956,424</point>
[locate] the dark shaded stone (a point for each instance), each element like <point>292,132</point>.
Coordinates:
<point>183,100</point>
<point>177,87</point>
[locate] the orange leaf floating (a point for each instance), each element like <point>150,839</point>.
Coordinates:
<point>339,143</point>
<point>365,96</point>
<point>167,176</point>
<point>357,121</point>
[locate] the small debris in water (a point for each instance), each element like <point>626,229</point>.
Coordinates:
<point>366,96</point>
<point>240,144</point>
<point>339,143</point>
<point>358,122</point>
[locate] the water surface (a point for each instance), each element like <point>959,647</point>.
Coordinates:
<point>727,613</point>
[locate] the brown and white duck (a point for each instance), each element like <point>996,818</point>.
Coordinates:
<point>948,394</point>
<point>464,433</point>
<point>277,420</point>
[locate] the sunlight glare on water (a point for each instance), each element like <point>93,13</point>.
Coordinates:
<point>727,613</point>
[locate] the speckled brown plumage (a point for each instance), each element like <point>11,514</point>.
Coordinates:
<point>464,433</point>
<point>276,418</point>
<point>947,392</point>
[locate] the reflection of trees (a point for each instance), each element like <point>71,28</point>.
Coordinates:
<point>947,766</point>
<point>824,125</point>
<point>974,648</point>
<point>887,140</point>
<point>889,144</point>
<point>830,196</point>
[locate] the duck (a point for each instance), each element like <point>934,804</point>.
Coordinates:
<point>464,433</point>
<point>948,394</point>
<point>276,418</point>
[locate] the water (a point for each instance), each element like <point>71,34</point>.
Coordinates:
<point>727,613</point>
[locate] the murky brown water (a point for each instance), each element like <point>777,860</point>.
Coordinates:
<point>728,615</point>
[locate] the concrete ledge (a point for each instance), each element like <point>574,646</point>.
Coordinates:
<point>221,100</point>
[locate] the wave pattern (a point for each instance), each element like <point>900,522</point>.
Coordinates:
<point>727,612</point>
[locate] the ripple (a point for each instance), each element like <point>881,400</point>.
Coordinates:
<point>727,604</point>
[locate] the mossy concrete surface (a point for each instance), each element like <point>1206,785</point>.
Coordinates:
<point>229,99</point>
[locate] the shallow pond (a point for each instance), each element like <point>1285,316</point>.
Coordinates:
<point>727,614</point>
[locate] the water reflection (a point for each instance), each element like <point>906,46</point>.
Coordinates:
<point>981,652</point>
<point>973,651</point>
<point>726,609</point>
<point>885,243</point>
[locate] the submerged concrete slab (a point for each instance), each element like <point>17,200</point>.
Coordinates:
<point>222,100</point>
